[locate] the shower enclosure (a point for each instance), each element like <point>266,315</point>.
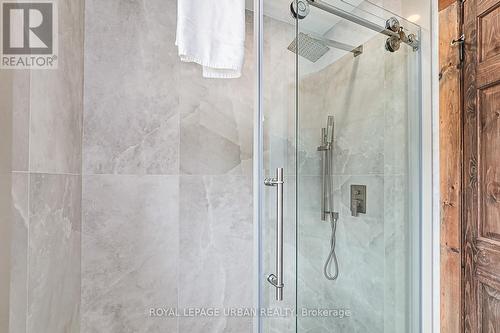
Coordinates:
<point>127,178</point>
<point>337,168</point>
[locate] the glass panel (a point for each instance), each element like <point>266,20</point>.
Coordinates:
<point>350,148</point>
<point>279,127</point>
<point>361,171</point>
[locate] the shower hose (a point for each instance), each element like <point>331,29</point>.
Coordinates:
<point>332,256</point>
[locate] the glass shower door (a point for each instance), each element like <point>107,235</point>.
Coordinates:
<point>277,181</point>
<point>340,118</point>
<point>358,169</point>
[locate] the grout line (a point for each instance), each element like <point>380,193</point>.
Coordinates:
<point>46,173</point>
<point>163,175</point>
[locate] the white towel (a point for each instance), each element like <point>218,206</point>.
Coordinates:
<point>212,34</point>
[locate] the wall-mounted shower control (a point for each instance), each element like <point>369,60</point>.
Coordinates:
<point>358,199</point>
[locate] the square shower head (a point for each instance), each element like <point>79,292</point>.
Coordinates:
<point>310,48</point>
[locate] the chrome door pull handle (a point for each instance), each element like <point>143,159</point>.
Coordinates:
<point>277,279</point>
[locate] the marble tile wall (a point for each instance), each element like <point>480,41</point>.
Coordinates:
<point>167,184</point>
<point>131,88</point>
<point>46,187</point>
<point>56,100</point>
<point>216,119</point>
<point>216,242</point>
<point>130,251</point>
<point>54,253</point>
<point>19,249</point>
<point>6,224</point>
<point>20,120</point>
<point>162,216</point>
<point>5,254</point>
<point>367,96</point>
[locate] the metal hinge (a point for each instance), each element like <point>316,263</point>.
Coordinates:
<point>461,44</point>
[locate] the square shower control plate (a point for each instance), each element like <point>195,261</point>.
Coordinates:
<point>358,199</point>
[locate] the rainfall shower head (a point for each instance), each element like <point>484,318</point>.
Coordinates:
<point>310,48</point>
<point>314,48</point>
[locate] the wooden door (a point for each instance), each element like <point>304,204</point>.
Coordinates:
<point>481,248</point>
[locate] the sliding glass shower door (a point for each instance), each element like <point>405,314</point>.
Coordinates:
<point>339,172</point>
<point>277,183</point>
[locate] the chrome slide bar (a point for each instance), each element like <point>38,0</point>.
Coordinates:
<point>323,148</point>
<point>326,181</point>
<point>410,39</point>
<point>277,279</point>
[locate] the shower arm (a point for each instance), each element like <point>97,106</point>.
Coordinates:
<point>411,39</point>
<point>356,50</point>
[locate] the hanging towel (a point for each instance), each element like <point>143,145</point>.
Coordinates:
<point>212,34</point>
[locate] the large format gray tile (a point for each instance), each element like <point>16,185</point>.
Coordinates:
<point>398,248</point>
<point>5,193</point>
<point>131,88</point>
<point>216,119</point>
<point>129,252</point>
<point>6,119</point>
<point>20,120</point>
<point>54,253</point>
<point>19,253</point>
<point>5,246</point>
<point>14,120</point>
<point>216,247</point>
<point>397,114</point>
<point>56,98</point>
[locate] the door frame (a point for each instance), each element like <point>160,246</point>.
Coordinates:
<point>451,165</point>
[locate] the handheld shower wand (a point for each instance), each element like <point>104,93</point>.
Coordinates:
<point>329,130</point>
<point>327,209</point>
